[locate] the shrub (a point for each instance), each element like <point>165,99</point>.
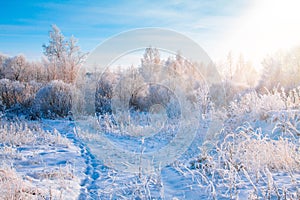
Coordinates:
<point>17,95</point>
<point>53,100</point>
<point>253,106</point>
<point>248,160</point>
<point>103,96</point>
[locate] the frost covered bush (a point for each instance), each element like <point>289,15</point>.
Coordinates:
<point>252,106</point>
<point>287,124</point>
<point>15,94</point>
<point>39,182</point>
<point>12,92</point>
<point>131,186</point>
<point>53,100</point>
<point>104,92</point>
<point>248,163</point>
<point>147,97</point>
<point>22,133</point>
<point>254,151</point>
<point>154,82</point>
<point>13,187</point>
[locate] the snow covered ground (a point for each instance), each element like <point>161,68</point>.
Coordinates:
<point>37,163</point>
<point>48,159</point>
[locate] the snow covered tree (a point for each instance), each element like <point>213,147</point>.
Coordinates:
<point>282,68</point>
<point>271,74</point>
<point>3,59</point>
<point>245,74</point>
<point>63,55</point>
<point>151,56</point>
<point>230,67</point>
<point>14,67</point>
<point>151,65</point>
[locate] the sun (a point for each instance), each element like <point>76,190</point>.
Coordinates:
<point>268,26</point>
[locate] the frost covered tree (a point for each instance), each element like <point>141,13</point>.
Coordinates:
<point>3,59</point>
<point>14,68</point>
<point>230,67</point>
<point>245,74</point>
<point>64,56</point>
<point>151,56</point>
<point>18,68</point>
<point>151,64</point>
<point>281,68</point>
<point>36,71</point>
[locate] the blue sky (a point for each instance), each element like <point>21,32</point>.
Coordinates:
<point>217,25</point>
<point>24,25</point>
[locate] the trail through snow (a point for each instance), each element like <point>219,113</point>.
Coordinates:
<point>98,181</point>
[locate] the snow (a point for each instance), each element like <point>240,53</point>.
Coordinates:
<point>50,163</point>
<point>62,164</point>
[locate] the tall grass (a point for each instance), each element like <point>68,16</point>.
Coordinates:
<point>42,182</point>
<point>257,153</point>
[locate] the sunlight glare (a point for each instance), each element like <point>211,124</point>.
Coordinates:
<point>268,26</point>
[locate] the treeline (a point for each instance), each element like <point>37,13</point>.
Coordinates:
<point>41,88</point>
<point>280,72</point>
<point>45,88</point>
<point>168,82</point>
